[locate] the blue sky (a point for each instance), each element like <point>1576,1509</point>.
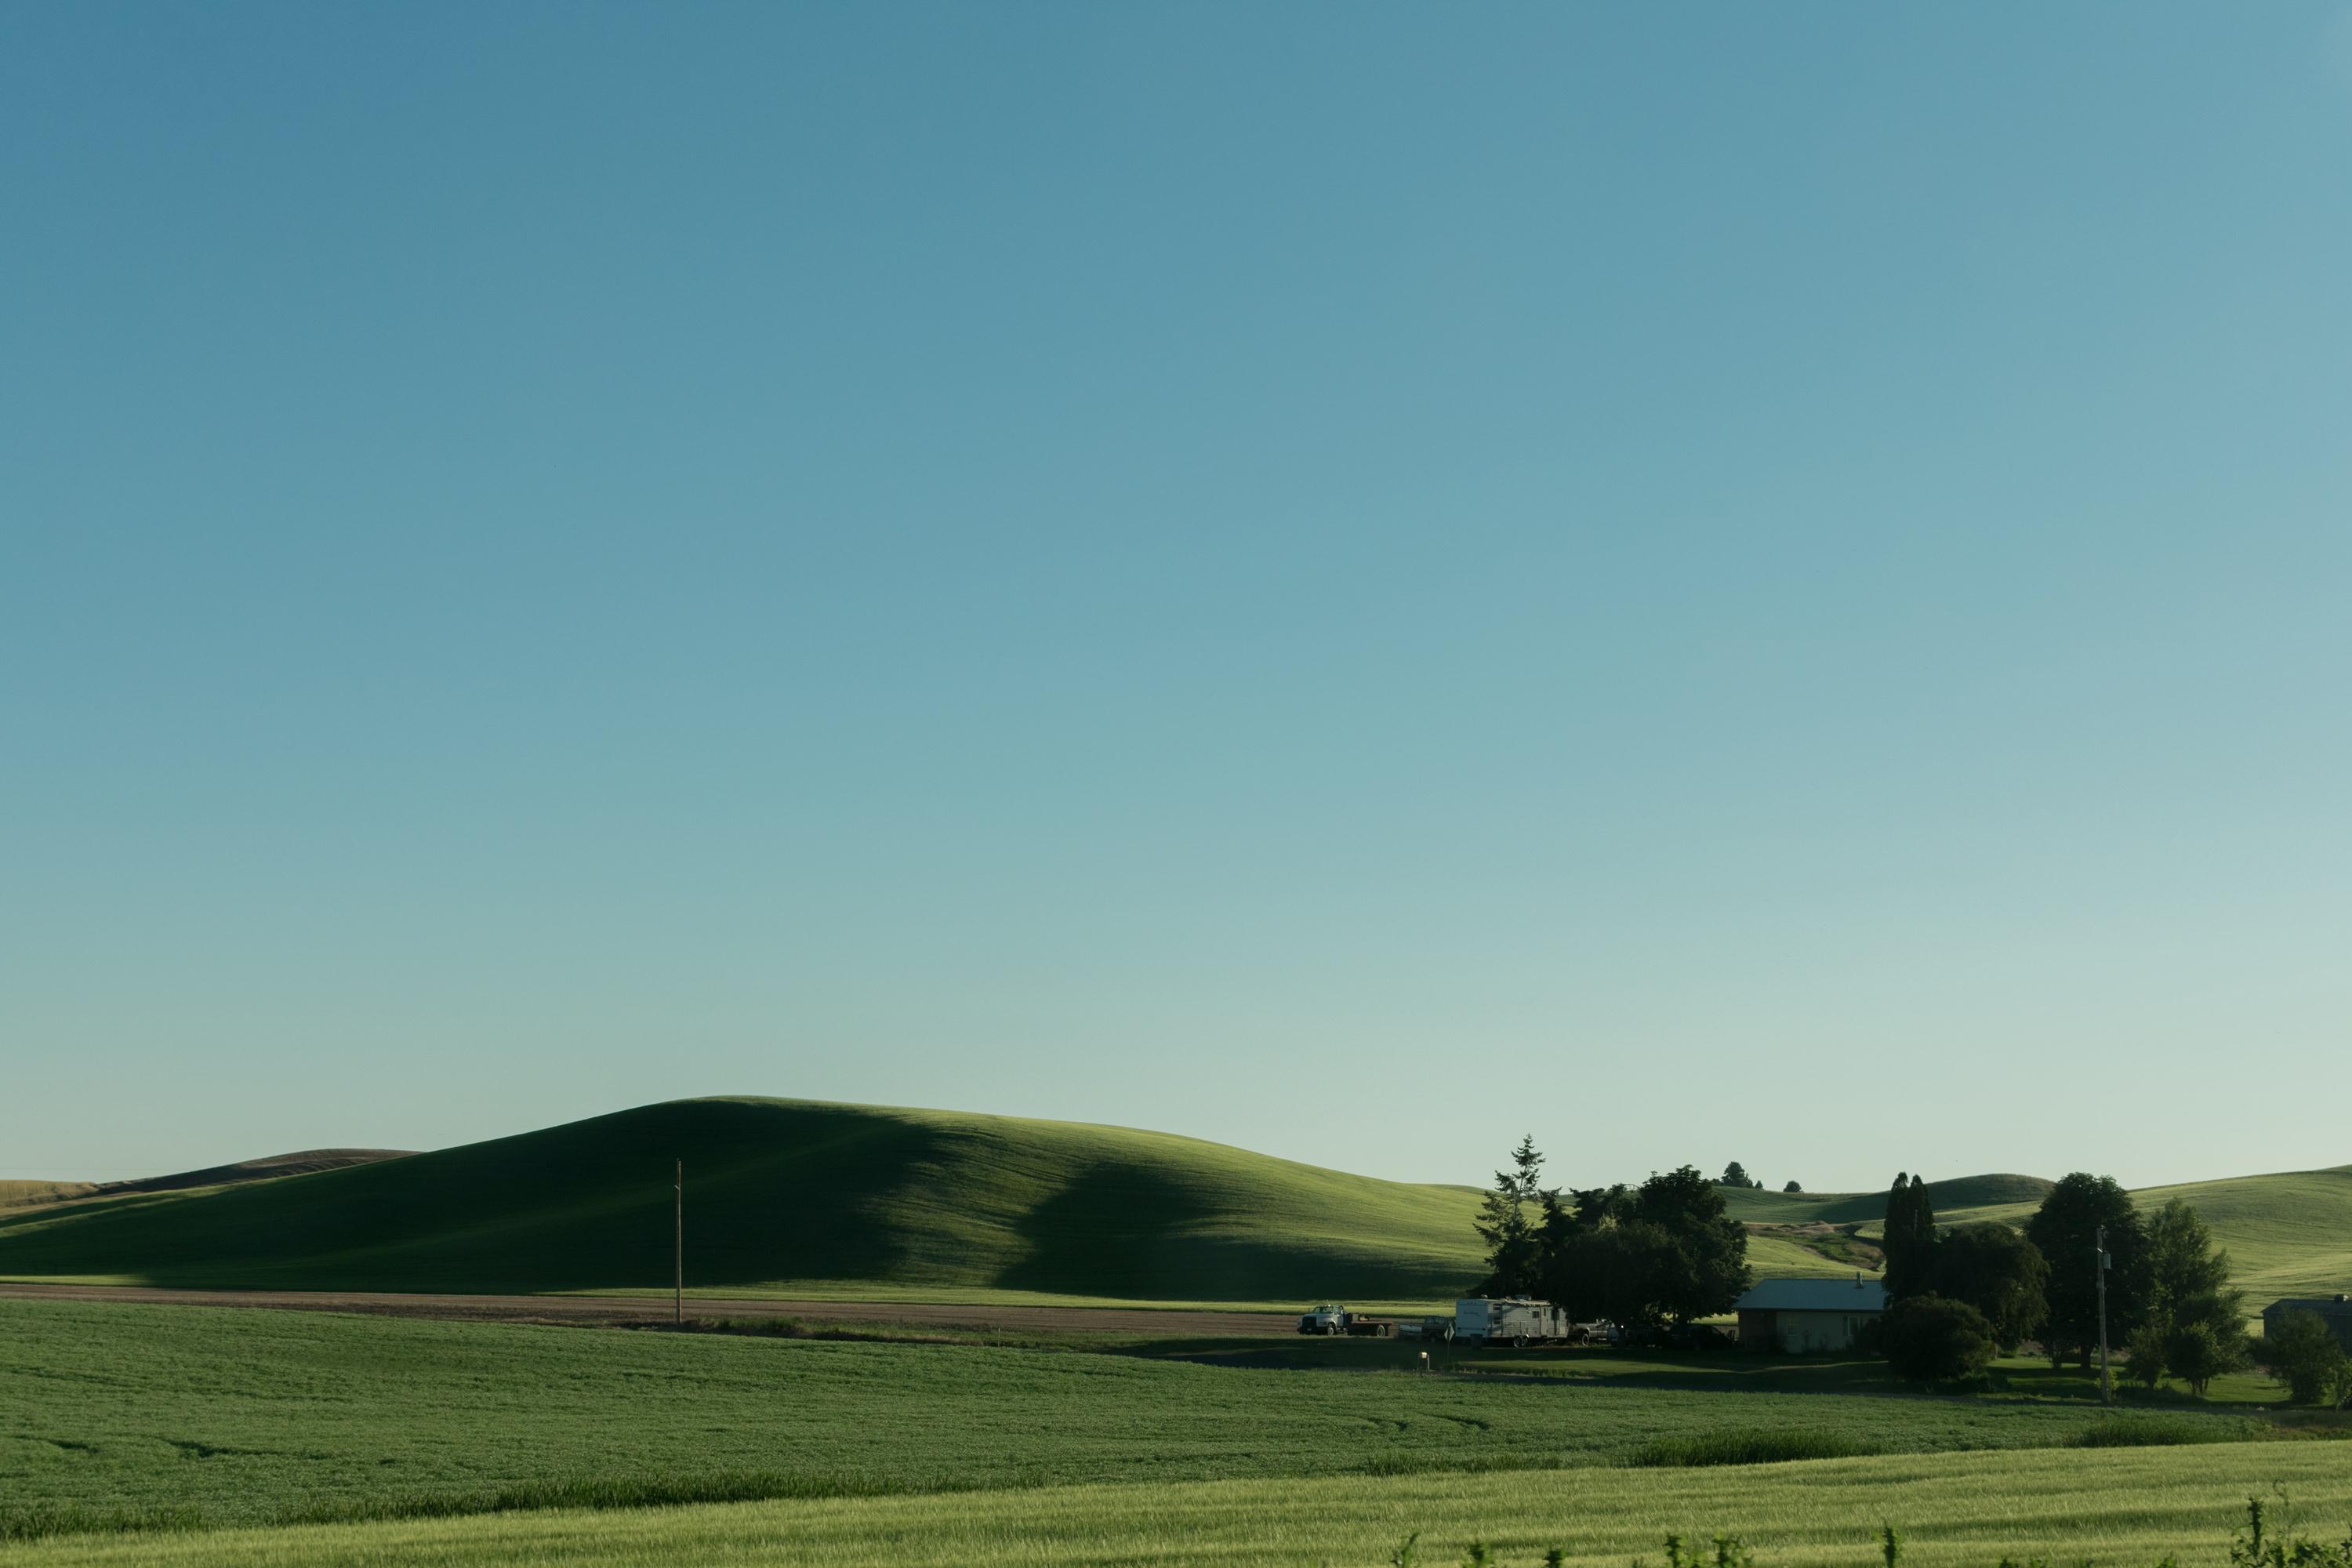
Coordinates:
<point>1708,582</point>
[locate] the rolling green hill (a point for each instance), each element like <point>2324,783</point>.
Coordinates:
<point>798,1196</point>
<point>786,1191</point>
<point>1850,1208</point>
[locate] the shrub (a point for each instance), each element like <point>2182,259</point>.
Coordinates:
<point>2144,1354</point>
<point>2198,1355</point>
<point>2304,1356</point>
<point>1929,1339</point>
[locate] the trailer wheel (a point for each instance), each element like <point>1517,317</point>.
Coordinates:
<point>1518,1342</point>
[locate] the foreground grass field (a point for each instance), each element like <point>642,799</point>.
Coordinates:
<point>2117,1508</point>
<point>116,1416</point>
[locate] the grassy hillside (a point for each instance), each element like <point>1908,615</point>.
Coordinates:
<point>1850,1208</point>
<point>2289,1234</point>
<point>782,1191</point>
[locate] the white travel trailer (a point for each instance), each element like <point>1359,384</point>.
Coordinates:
<point>1483,1321</point>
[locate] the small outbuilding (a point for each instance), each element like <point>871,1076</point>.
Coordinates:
<point>1796,1316</point>
<point>2333,1310</point>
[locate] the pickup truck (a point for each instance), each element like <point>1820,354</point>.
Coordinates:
<point>1329,1319</point>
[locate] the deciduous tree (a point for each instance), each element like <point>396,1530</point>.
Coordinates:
<point>1665,1252</point>
<point>2065,1230</point>
<point>2000,1274</point>
<point>2195,1354</point>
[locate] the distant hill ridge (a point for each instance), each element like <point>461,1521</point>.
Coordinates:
<point>1759,1207</point>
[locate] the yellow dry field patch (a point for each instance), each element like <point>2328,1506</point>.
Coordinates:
<point>2116,1507</point>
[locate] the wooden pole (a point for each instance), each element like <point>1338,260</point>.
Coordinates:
<point>2107,1382</point>
<point>677,1306</point>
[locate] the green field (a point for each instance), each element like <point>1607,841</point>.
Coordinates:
<point>2119,1507</point>
<point>206,1417</point>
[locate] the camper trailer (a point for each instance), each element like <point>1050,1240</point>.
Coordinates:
<point>1483,1321</point>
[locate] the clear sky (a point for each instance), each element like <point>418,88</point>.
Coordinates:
<point>1718,582</point>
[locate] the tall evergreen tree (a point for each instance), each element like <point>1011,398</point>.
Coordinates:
<point>1513,1256</point>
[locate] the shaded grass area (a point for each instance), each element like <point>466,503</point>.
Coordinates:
<point>2150,1432</point>
<point>2116,1507</point>
<point>1737,1446</point>
<point>130,1416</point>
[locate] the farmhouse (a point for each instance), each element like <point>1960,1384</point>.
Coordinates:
<point>1798,1315</point>
<point>2333,1310</point>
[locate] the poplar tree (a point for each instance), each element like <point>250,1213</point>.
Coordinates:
<point>1910,1239</point>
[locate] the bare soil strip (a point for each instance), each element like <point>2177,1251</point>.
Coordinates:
<point>592,1310</point>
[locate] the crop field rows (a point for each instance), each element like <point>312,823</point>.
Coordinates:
<point>137,1434</point>
<point>2119,1509</point>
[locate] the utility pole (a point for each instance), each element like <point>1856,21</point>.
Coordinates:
<point>2107,1382</point>
<point>677,1306</point>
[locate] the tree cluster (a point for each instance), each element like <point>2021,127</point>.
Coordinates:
<point>2169,1302</point>
<point>1736,1175</point>
<point>1988,1268</point>
<point>1666,1252</point>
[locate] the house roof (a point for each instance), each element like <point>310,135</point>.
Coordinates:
<point>1855,1295</point>
<point>2326,1306</point>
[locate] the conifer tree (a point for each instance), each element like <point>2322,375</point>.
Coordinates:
<point>1512,1253</point>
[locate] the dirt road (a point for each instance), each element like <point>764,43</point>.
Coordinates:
<point>591,1311</point>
